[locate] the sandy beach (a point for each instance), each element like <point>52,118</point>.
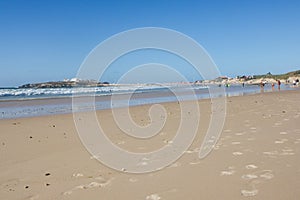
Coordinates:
<point>256,157</point>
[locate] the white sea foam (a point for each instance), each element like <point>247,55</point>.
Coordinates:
<point>98,91</point>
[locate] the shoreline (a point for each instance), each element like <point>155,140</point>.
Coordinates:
<point>62,105</point>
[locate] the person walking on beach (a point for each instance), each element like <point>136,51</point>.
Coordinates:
<point>279,83</point>
<point>262,85</point>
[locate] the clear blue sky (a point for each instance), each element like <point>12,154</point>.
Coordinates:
<point>48,40</point>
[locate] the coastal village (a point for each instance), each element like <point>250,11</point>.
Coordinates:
<point>291,78</point>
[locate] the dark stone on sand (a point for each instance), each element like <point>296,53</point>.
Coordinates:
<point>283,111</point>
<point>47,184</point>
<point>30,137</point>
<point>26,187</point>
<point>47,174</point>
<point>53,126</point>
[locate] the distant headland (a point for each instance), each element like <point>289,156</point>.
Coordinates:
<point>74,82</point>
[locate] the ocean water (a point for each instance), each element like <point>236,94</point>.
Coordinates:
<point>39,93</point>
<point>16,103</point>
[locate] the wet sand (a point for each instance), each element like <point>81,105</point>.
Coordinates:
<point>256,157</point>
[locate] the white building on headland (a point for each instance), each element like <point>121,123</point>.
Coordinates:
<point>75,79</point>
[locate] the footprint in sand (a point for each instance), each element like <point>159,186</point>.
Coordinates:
<point>234,143</point>
<point>34,197</point>
<point>101,183</point>
<point>249,150</point>
<point>237,153</point>
<point>249,176</point>
<point>143,163</point>
<point>287,150</point>
<point>168,141</point>
<point>271,154</point>
<point>196,150</point>
<point>297,141</point>
<point>133,180</point>
<point>216,147</point>
<point>228,172</point>
<point>77,175</point>
<point>296,130</point>
<point>287,153</point>
<point>239,134</point>
<point>195,163</point>
<point>283,133</point>
<point>251,166</point>
<point>267,175</point>
<point>281,141</point>
<point>259,177</point>
<point>162,133</point>
<point>249,193</point>
<point>247,123</point>
<point>153,197</point>
<point>189,152</point>
<point>10,184</point>
<point>121,142</point>
<point>278,124</point>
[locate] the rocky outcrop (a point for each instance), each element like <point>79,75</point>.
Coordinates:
<point>66,84</point>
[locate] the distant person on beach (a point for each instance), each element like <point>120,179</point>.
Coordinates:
<point>262,85</point>
<point>279,83</point>
<point>243,84</point>
<point>296,82</point>
<point>273,85</point>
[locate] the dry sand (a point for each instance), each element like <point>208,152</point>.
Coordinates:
<point>256,157</point>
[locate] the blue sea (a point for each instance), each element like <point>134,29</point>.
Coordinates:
<point>29,102</point>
